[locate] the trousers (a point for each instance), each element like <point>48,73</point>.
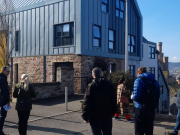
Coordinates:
<point>23,120</point>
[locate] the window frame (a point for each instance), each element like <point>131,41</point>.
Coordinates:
<point>152,69</point>
<point>114,43</point>
<point>69,36</point>
<point>17,36</point>
<point>151,54</point>
<point>98,38</point>
<point>130,45</point>
<point>120,10</point>
<point>132,67</point>
<point>107,6</point>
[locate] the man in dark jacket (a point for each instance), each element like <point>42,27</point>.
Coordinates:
<point>4,95</point>
<point>99,104</point>
<point>177,127</point>
<point>144,114</point>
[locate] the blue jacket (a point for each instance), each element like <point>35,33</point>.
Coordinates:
<point>139,85</point>
<point>4,90</point>
<point>178,99</point>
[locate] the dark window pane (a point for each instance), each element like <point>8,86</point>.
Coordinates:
<point>104,8</point>
<point>58,42</point>
<point>111,45</point>
<point>117,13</point>
<point>96,42</point>
<point>117,4</point>
<point>66,30</point>
<point>122,5</point>
<point>111,35</point>
<point>121,14</point>
<point>129,49</point>
<point>129,39</point>
<point>132,40</point>
<point>96,32</point>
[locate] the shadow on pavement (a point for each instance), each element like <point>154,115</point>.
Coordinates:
<point>57,100</point>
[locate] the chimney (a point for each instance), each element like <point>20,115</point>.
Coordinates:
<point>160,56</point>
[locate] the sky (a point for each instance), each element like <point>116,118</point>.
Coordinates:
<point>161,23</point>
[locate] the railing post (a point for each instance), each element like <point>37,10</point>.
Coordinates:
<point>66,98</point>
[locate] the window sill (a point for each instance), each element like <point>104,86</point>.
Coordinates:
<point>105,12</point>
<point>64,46</point>
<point>120,18</point>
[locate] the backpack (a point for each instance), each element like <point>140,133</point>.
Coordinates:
<point>150,94</point>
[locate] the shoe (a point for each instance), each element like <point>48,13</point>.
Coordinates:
<point>130,120</point>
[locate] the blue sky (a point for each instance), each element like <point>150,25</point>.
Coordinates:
<point>161,23</point>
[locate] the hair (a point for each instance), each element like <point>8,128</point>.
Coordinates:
<point>4,68</point>
<point>25,81</point>
<point>121,80</point>
<point>142,70</point>
<point>96,72</point>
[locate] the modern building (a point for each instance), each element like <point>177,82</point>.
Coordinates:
<point>56,38</point>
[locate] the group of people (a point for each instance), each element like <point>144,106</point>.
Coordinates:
<point>101,102</point>
<point>23,91</point>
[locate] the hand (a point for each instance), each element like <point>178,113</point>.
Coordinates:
<point>131,96</point>
<point>86,122</point>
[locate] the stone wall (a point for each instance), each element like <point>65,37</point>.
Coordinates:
<point>80,70</point>
<point>46,90</point>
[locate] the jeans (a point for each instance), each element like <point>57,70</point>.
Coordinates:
<point>23,120</point>
<point>144,121</point>
<point>104,128</point>
<point>177,127</point>
<point>2,119</point>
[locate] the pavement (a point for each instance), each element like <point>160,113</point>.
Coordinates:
<point>49,117</point>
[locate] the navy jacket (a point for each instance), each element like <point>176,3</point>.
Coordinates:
<point>4,88</point>
<point>139,86</point>
<point>100,101</point>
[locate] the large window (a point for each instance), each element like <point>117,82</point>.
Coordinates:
<point>132,70</point>
<point>111,68</point>
<point>152,70</point>
<point>97,36</point>
<point>111,40</point>
<point>105,6</point>
<point>120,8</point>
<point>131,44</point>
<point>64,34</point>
<point>16,40</point>
<point>152,52</point>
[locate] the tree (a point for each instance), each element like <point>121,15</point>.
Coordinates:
<point>6,31</point>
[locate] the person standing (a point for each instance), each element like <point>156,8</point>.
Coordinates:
<point>4,95</point>
<point>123,95</point>
<point>99,104</point>
<point>146,96</point>
<point>24,92</point>
<point>177,126</point>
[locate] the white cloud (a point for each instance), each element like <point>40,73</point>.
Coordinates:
<point>174,59</point>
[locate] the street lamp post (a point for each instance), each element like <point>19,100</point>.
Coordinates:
<point>126,37</point>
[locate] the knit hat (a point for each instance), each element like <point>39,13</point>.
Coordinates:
<point>178,77</point>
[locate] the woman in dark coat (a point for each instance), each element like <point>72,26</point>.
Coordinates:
<point>23,91</point>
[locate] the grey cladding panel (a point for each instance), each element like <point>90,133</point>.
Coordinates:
<point>66,11</point>
<point>99,12</point>
<point>61,50</point>
<point>72,49</point>
<point>21,33</point>
<point>33,51</point>
<point>56,8</point>
<point>37,31</point>
<point>86,25</point>
<point>56,51</point>
<point>25,34</point>
<point>42,31</point>
<point>90,24</point>
<point>61,12</point>
<point>66,50</point>
<point>46,30</point>
<point>72,10</point>
<point>29,33</point>
<point>95,13</point>
<point>51,29</point>
<point>103,32</point>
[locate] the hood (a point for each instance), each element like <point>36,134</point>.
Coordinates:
<point>100,80</point>
<point>1,74</point>
<point>149,76</point>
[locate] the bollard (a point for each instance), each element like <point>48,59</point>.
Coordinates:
<point>66,98</point>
